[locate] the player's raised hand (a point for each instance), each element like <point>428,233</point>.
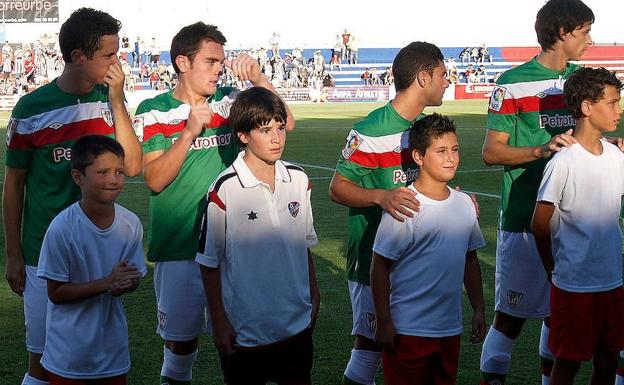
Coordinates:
<point>223,336</point>
<point>557,143</point>
<point>385,335</point>
<point>114,80</point>
<point>399,201</point>
<point>199,117</point>
<point>245,68</point>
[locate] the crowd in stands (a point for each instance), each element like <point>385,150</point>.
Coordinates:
<point>475,55</point>
<point>29,65</point>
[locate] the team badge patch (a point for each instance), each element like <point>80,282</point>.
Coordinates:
<point>514,298</point>
<point>107,115</point>
<point>371,321</point>
<point>222,107</point>
<point>11,128</point>
<point>162,319</point>
<point>293,208</point>
<point>137,125</point>
<point>353,142</point>
<point>497,98</point>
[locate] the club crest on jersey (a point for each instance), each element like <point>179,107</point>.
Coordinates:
<point>222,107</point>
<point>371,321</point>
<point>497,98</point>
<point>107,115</point>
<point>137,125</point>
<point>353,142</point>
<point>11,128</point>
<point>162,319</point>
<point>293,208</point>
<point>514,298</point>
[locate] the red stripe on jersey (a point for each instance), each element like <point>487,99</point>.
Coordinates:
<point>167,130</point>
<point>309,184</point>
<point>382,159</point>
<point>214,198</point>
<point>532,104</point>
<point>217,121</point>
<point>68,132</point>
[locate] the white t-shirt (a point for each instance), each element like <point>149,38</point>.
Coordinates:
<point>586,190</point>
<point>429,251</point>
<point>88,338</point>
<point>260,242</point>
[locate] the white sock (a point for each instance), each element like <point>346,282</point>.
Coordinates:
<point>545,353</point>
<point>363,366</point>
<point>619,377</point>
<point>178,367</point>
<point>30,380</point>
<point>496,352</point>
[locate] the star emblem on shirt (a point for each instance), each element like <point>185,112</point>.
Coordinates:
<point>252,216</point>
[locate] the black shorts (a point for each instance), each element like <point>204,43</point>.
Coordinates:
<point>286,362</point>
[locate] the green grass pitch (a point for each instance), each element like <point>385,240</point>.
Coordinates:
<point>316,143</point>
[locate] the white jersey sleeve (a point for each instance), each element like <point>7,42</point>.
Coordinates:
<point>553,180</point>
<point>54,257</point>
<point>393,237</point>
<point>213,250</point>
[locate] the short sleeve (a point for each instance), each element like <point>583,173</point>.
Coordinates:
<point>212,243</point>
<point>502,110</point>
<point>553,181</point>
<point>393,237</point>
<point>54,257</point>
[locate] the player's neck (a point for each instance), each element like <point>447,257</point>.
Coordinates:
<point>264,171</point>
<point>408,105</point>
<point>101,214</point>
<point>73,82</point>
<point>588,136</point>
<point>553,59</point>
<point>431,188</point>
<point>185,94</point>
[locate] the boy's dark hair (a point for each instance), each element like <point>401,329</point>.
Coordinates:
<point>558,15</point>
<point>188,41</point>
<point>412,59</point>
<point>587,84</point>
<point>84,29</point>
<point>423,131</point>
<point>87,148</point>
<point>253,108</point>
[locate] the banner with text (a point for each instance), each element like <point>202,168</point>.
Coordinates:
<point>34,11</point>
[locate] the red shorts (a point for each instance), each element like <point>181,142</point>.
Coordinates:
<point>117,380</point>
<point>581,323</point>
<point>422,361</point>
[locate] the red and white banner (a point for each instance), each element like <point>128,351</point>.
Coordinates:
<point>474,91</point>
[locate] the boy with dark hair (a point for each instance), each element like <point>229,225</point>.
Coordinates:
<point>92,253</point>
<point>419,265</point>
<point>88,98</point>
<point>256,264</point>
<point>370,178</point>
<point>187,142</point>
<point>577,231</point>
<point>527,123</point>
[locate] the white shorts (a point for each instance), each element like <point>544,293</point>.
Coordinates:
<point>522,287</point>
<point>35,310</point>
<point>180,300</point>
<point>364,319</point>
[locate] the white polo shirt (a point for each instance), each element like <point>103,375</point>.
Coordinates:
<point>586,190</point>
<point>429,251</point>
<point>88,338</point>
<point>259,239</point>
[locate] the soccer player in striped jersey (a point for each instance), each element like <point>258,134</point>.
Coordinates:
<point>371,177</point>
<point>88,98</point>
<point>528,122</point>
<point>187,141</point>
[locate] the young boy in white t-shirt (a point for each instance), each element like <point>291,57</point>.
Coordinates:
<point>256,264</point>
<point>576,227</point>
<point>92,253</point>
<point>419,266</point>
